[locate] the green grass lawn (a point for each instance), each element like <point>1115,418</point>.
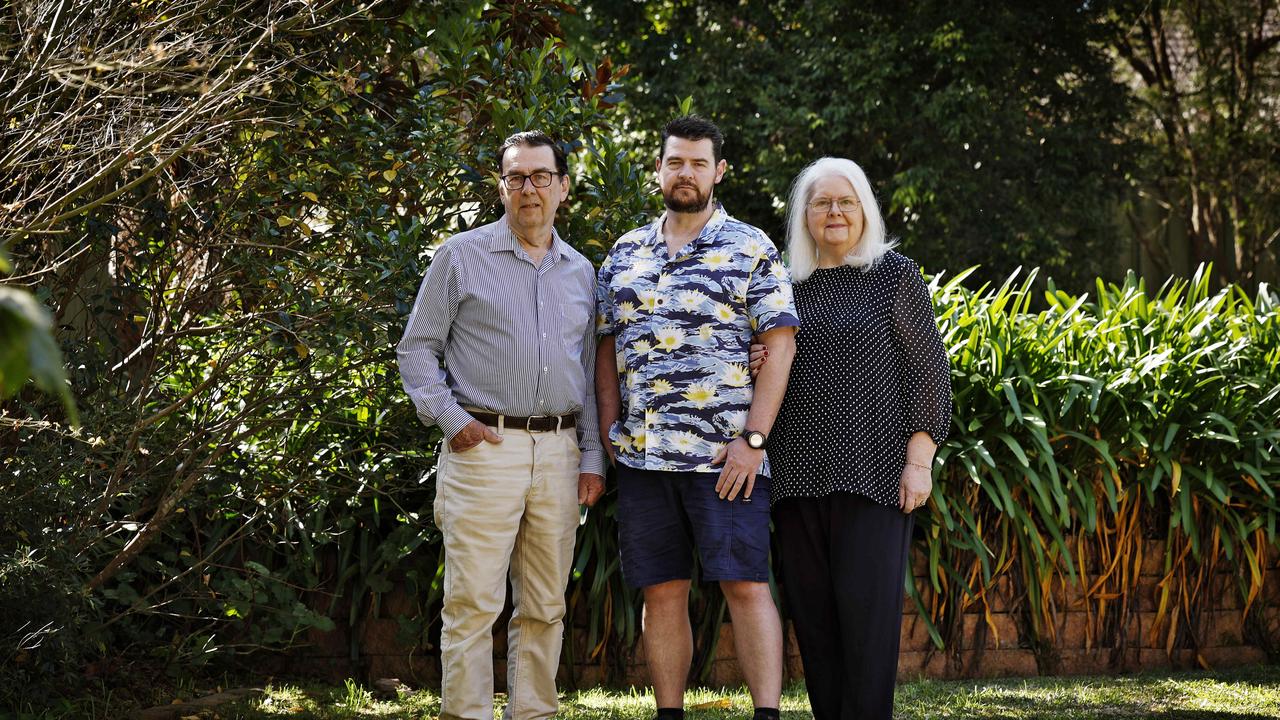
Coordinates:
<point>1243,693</point>
<point>1252,692</point>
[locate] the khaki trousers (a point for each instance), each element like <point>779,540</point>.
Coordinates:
<point>509,506</point>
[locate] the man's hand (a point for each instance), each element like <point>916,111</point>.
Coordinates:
<point>739,473</point>
<point>472,435</point>
<point>590,488</point>
<point>759,354</point>
<point>914,488</point>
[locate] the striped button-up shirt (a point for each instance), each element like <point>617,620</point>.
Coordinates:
<point>515,338</point>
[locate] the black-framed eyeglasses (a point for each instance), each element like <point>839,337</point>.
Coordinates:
<point>540,179</point>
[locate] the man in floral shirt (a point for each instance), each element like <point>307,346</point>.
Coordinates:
<point>678,301</point>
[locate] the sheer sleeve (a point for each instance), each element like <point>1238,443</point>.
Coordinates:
<point>925,372</point>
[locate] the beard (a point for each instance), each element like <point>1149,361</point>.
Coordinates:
<point>696,205</point>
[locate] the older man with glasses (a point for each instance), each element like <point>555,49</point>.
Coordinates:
<point>498,352</point>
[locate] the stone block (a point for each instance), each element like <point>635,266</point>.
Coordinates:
<point>398,602</point>
<point>378,637</point>
<point>1148,598</point>
<point>388,666</point>
<point>1271,587</point>
<point>793,667</point>
<point>332,643</point>
<point>725,649</point>
<point>789,642</point>
<point>925,588</point>
<point>975,626</point>
<point>329,669</point>
<point>919,563</point>
<point>1000,595</point>
<point>1152,558</point>
<point>1178,659</point>
<point>637,653</point>
<point>582,676</point>
<point>914,635</point>
<point>1133,630</point>
<point>1006,662</point>
<point>1074,631</point>
<point>725,673</point>
<point>1069,596</point>
<point>637,676</point>
<point>1271,620</point>
<point>1224,592</point>
<point>1225,657</point>
<point>1079,661</point>
<point>1146,625</point>
<point>916,665</point>
<point>1222,628</point>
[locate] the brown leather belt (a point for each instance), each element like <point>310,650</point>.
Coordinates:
<point>540,423</point>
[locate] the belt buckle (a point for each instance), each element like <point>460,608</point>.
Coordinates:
<point>529,421</point>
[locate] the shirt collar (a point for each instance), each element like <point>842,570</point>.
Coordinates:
<point>709,231</point>
<point>503,239</point>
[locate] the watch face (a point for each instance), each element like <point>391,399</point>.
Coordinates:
<point>755,439</point>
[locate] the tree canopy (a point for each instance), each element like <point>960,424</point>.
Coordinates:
<point>991,131</point>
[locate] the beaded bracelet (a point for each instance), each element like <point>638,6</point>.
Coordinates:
<point>922,467</point>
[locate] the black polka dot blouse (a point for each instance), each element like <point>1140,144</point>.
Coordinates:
<point>869,372</point>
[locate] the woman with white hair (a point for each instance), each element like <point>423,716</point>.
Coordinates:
<point>868,402</point>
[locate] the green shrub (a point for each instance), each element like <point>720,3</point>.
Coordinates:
<point>1099,429</point>
<point>250,472</point>
<point>44,629</point>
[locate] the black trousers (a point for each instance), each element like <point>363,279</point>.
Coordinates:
<point>843,558</point>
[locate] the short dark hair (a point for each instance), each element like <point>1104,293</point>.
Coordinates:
<point>535,138</point>
<point>693,127</point>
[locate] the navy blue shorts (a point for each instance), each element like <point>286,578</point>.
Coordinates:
<point>662,514</point>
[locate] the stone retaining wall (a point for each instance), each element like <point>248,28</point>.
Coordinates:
<point>991,648</point>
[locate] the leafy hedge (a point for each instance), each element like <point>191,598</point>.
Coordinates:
<point>1094,428</point>
<point>1084,434</point>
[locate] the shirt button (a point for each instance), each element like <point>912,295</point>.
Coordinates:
<point>545,369</point>
<point>544,335</point>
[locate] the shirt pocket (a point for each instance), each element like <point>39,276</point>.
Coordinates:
<point>578,318</point>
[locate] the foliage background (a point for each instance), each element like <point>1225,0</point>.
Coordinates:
<point>977,159</point>
<point>226,209</point>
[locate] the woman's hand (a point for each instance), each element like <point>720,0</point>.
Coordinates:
<point>915,487</point>
<point>759,353</point>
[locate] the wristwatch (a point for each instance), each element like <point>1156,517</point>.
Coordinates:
<point>755,439</point>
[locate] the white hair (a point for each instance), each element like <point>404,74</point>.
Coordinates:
<point>802,251</point>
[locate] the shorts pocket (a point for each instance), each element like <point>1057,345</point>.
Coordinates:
<point>749,548</point>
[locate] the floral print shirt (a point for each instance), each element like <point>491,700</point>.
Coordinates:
<point>682,327</point>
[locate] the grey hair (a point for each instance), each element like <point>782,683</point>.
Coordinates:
<point>802,251</point>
